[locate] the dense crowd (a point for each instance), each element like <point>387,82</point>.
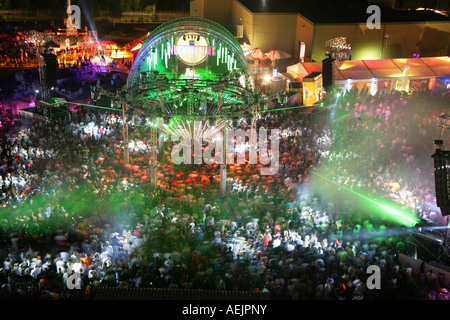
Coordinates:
<point>384,148</point>
<point>15,47</point>
<point>77,216</point>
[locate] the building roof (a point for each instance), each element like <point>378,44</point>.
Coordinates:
<point>342,11</point>
<point>385,68</point>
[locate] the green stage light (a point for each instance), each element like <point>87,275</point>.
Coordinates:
<point>393,212</point>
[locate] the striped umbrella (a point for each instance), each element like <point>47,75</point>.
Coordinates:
<point>257,55</point>
<point>274,55</point>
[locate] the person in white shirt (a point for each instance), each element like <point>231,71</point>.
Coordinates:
<point>35,272</point>
<point>276,242</point>
<point>7,264</point>
<point>64,256</point>
<point>60,265</point>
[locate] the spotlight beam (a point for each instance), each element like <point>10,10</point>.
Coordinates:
<point>396,214</point>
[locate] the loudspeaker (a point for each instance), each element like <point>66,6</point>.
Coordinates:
<point>442,180</point>
<point>50,69</point>
<point>329,72</point>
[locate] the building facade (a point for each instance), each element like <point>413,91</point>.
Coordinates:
<point>303,31</point>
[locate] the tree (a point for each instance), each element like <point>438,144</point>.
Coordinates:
<point>5,4</point>
<point>114,8</point>
<point>172,5</point>
<point>136,5</point>
<point>125,5</point>
<point>151,9</point>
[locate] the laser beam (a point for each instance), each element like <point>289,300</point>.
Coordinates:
<point>397,214</point>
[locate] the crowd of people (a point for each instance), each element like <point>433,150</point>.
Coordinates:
<point>77,216</point>
<point>15,47</point>
<point>384,148</point>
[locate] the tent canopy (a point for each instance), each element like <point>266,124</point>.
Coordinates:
<point>384,68</point>
<point>52,44</point>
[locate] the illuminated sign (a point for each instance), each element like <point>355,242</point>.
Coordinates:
<point>192,49</point>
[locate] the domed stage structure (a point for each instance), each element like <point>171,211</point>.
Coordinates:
<point>190,79</point>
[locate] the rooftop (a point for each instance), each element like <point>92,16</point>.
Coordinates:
<point>342,11</point>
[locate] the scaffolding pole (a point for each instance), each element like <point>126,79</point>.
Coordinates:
<point>153,165</point>
<point>223,166</point>
<point>126,150</point>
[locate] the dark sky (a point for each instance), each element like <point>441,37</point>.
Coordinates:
<point>162,5</point>
<point>333,11</point>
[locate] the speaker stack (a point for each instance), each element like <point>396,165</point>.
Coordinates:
<point>50,69</point>
<point>329,73</point>
<point>442,178</point>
